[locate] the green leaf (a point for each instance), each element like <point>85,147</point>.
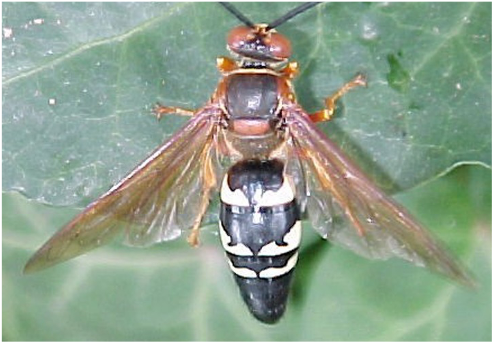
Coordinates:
<point>79,81</point>
<point>172,292</point>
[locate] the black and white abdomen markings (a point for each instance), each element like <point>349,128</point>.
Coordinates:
<point>260,230</point>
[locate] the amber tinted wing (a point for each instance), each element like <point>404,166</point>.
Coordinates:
<point>347,208</point>
<point>153,203</point>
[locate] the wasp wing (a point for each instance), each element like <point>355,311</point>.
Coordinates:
<point>339,193</point>
<point>153,203</point>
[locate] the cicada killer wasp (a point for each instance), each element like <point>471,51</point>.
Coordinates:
<point>254,145</point>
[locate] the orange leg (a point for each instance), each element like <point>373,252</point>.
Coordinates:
<point>291,70</point>
<point>330,102</point>
<point>225,64</point>
<point>160,110</point>
<point>209,180</point>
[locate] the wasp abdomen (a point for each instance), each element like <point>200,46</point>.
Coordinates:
<point>261,231</point>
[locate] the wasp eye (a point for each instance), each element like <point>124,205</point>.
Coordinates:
<point>279,46</point>
<point>238,37</point>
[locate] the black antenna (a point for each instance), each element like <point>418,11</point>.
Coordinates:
<point>238,14</point>
<point>291,14</point>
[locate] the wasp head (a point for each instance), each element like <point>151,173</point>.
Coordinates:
<point>259,43</point>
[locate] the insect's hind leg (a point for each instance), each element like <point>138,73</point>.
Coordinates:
<point>330,102</point>
<point>160,110</point>
<point>209,180</point>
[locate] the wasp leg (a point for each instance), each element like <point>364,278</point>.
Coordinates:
<point>225,64</point>
<point>209,184</point>
<point>160,110</point>
<point>291,70</point>
<point>330,102</point>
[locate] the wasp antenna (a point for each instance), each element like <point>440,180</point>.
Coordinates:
<point>233,10</point>
<point>291,14</point>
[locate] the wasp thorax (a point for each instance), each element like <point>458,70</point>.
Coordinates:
<point>259,43</point>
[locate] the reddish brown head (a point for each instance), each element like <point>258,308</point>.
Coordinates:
<point>259,43</point>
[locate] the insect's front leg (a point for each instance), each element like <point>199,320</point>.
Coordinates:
<point>291,70</point>
<point>226,65</point>
<point>160,110</point>
<point>330,102</point>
